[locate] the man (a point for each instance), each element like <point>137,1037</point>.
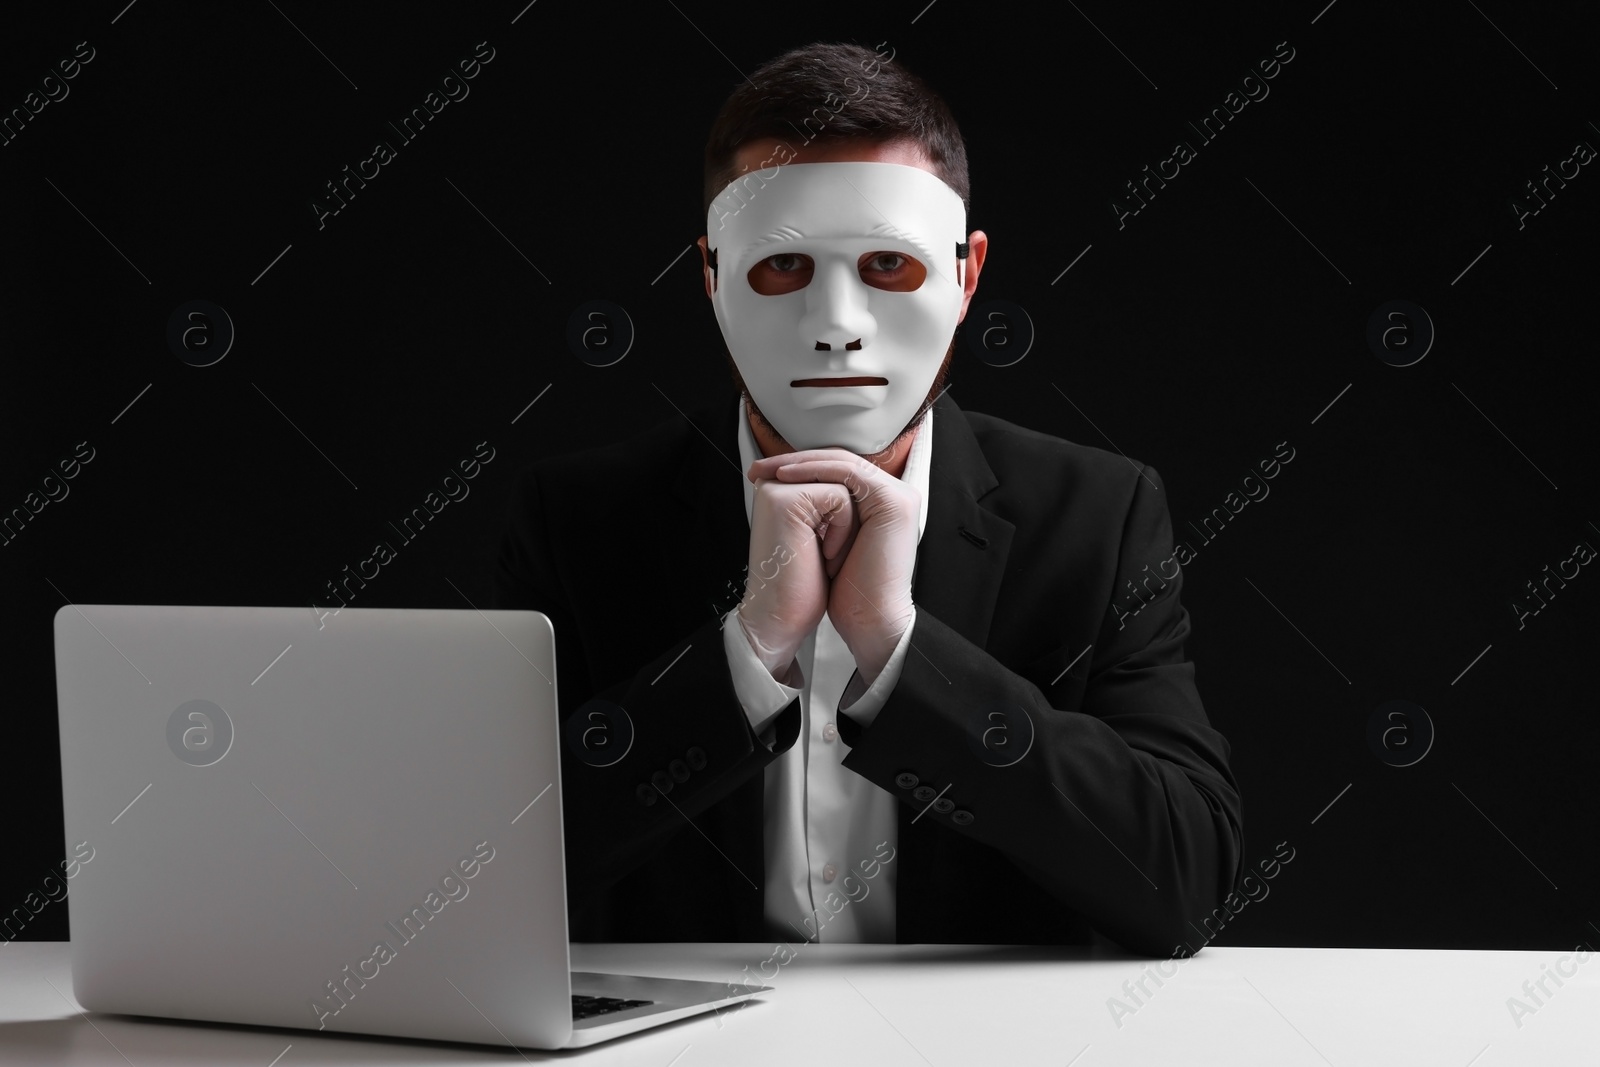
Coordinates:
<point>951,703</point>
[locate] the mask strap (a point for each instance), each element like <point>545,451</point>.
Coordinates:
<point>961,264</point>
<point>711,257</point>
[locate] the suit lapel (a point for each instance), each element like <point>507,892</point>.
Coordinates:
<point>708,485</point>
<point>962,554</point>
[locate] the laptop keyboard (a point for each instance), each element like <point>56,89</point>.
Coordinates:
<point>588,1007</point>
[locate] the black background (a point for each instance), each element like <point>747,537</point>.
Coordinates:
<point>1222,319</point>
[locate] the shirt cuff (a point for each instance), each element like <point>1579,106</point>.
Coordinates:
<point>864,706</point>
<point>760,694</point>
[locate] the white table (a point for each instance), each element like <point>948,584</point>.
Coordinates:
<point>948,1006</point>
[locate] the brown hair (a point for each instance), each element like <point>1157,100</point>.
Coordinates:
<point>874,99</point>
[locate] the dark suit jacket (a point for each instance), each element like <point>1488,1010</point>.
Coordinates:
<point>1123,814</point>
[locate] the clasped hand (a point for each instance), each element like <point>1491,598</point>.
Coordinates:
<point>830,533</point>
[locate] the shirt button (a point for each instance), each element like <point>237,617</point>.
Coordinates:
<point>829,732</point>
<point>829,872</point>
<point>924,793</point>
<point>944,805</point>
<point>961,817</point>
<point>905,780</point>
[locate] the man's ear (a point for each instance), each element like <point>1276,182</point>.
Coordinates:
<point>977,249</point>
<point>705,263</point>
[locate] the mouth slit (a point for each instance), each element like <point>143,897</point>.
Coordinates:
<point>832,382</point>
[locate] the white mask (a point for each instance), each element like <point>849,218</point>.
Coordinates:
<point>834,213</point>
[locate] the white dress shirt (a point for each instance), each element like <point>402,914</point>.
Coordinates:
<point>822,820</point>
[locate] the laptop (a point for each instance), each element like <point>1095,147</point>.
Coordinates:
<point>345,821</point>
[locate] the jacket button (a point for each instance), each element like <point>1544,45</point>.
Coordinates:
<point>944,805</point>
<point>679,770</point>
<point>924,793</point>
<point>696,757</point>
<point>662,783</point>
<point>905,779</point>
<point>961,817</point>
<point>646,795</point>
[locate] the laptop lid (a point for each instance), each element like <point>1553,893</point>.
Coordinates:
<point>349,822</point>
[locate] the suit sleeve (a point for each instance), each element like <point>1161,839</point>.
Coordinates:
<point>685,739</point>
<point>1125,809</point>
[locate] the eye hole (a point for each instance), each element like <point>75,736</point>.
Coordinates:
<point>782,273</point>
<point>787,272</point>
<point>894,272</point>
